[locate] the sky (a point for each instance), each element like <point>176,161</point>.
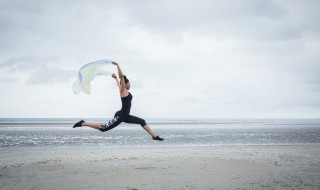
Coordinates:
<point>184,58</point>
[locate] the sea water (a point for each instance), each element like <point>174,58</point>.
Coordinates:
<point>58,132</point>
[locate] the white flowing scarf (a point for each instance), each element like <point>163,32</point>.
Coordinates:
<point>87,73</point>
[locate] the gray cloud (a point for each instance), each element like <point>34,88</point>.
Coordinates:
<point>8,79</point>
<point>25,63</point>
<point>263,20</point>
<point>49,75</point>
<point>41,70</point>
<point>19,19</point>
<point>187,14</point>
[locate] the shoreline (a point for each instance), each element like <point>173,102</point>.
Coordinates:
<point>10,148</point>
<point>223,167</point>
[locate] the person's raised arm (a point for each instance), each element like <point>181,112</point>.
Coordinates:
<point>121,76</point>
<point>117,80</point>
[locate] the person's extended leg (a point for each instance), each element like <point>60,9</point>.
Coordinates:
<point>83,123</point>
<point>142,122</point>
<point>118,118</point>
<point>92,125</point>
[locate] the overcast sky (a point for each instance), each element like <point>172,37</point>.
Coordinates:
<point>185,59</point>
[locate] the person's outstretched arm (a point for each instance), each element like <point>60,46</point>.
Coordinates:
<point>121,76</point>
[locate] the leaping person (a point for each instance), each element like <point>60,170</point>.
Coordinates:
<point>122,115</point>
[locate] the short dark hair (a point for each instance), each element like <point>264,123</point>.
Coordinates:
<point>126,80</point>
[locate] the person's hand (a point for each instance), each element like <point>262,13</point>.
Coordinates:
<point>114,76</point>
<point>115,63</point>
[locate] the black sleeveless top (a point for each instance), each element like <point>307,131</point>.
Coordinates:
<point>126,104</point>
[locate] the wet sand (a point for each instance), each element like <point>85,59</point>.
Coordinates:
<point>222,167</point>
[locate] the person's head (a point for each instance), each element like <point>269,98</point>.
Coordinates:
<point>127,82</point>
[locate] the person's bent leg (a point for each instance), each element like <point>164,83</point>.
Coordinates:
<point>154,136</point>
<point>142,122</point>
<point>148,129</point>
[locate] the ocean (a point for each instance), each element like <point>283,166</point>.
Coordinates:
<point>58,132</point>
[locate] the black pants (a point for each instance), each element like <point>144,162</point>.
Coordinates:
<point>120,117</point>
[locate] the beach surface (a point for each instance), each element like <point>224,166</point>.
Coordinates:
<point>198,167</point>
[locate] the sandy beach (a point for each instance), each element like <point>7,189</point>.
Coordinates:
<point>221,167</point>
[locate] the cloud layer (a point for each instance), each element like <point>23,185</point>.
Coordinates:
<point>40,70</point>
<point>184,58</point>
